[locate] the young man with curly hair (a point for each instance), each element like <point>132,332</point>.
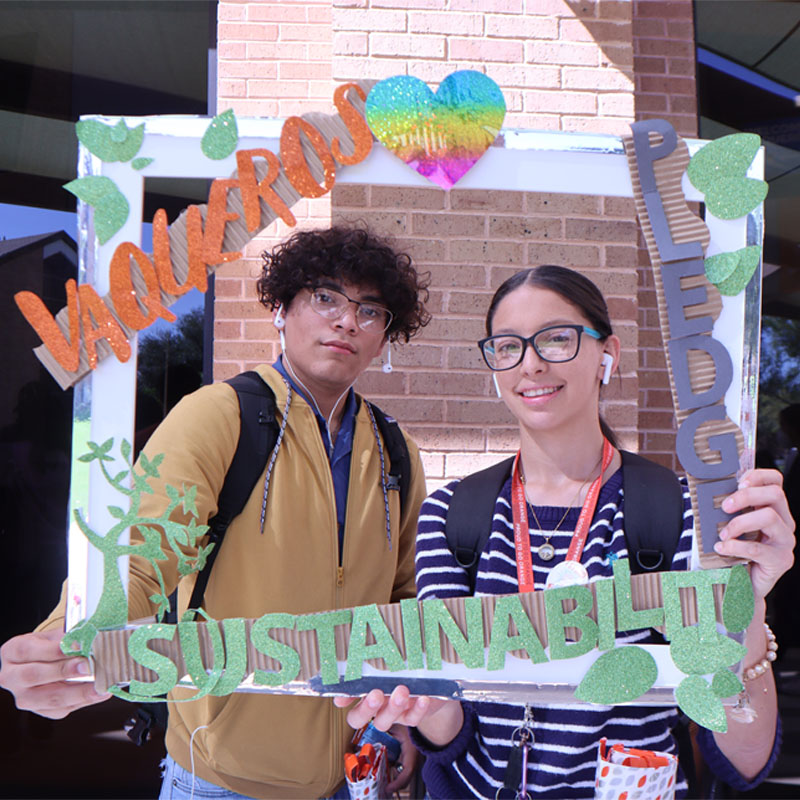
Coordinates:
<point>332,536</point>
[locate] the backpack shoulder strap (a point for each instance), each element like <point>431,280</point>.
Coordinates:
<point>399,459</point>
<point>653,513</point>
<point>469,516</point>
<point>258,432</point>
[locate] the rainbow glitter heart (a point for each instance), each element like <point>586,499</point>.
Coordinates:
<point>439,135</point>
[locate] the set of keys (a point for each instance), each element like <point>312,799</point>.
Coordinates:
<point>516,777</point>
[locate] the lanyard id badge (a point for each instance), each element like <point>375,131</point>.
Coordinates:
<point>571,570</point>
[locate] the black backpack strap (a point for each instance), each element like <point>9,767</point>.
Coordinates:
<point>469,516</point>
<point>258,433</point>
<point>399,477</point>
<point>653,513</point>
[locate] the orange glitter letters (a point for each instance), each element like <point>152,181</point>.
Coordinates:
<point>124,295</point>
<point>356,124</point>
<point>252,189</point>
<point>107,327</point>
<point>92,318</point>
<point>216,219</point>
<point>294,160</point>
<point>67,353</point>
<point>196,276</point>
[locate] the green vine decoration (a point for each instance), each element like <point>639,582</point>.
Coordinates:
<point>133,483</point>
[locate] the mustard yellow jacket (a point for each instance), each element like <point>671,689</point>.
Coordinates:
<point>259,745</point>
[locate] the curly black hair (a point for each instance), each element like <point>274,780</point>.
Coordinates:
<point>353,255</point>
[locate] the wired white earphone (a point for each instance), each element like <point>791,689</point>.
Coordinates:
<point>387,364</point>
<point>496,384</point>
<point>280,323</point>
<point>608,363</point>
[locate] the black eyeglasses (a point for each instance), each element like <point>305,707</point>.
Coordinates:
<point>557,343</point>
<point>332,303</point>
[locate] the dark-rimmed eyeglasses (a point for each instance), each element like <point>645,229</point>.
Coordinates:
<point>556,343</point>
<point>332,303</point>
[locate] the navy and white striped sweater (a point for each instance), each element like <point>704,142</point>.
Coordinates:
<point>562,763</point>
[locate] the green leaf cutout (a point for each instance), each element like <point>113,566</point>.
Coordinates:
<point>111,209</point>
<point>726,684</point>
<point>110,215</point>
<point>748,258</point>
<point>696,699</point>
<point>110,143</point>
<point>738,604</point>
<point>719,171</point>
<point>696,656</point>
<point>618,676</point>
<point>141,163</point>
<point>221,137</point>
<point>91,189</point>
<point>721,266</point>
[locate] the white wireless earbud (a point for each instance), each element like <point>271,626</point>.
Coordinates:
<point>280,323</point>
<point>496,384</point>
<point>387,364</point>
<point>608,363</point>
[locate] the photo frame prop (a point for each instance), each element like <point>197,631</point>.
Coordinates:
<point>691,280</point>
<point>557,645</point>
<point>259,168</point>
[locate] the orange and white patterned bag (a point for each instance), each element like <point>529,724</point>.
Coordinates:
<point>627,773</point>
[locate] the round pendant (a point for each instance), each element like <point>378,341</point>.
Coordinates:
<point>567,573</point>
<point>546,551</point>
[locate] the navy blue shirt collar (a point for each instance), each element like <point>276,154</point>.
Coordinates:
<point>344,440</point>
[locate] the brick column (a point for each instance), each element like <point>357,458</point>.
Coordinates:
<point>562,65</point>
<point>274,60</point>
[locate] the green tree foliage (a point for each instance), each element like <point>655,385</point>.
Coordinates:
<point>171,361</point>
<point>779,380</point>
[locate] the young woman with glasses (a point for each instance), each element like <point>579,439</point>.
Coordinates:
<point>550,347</point>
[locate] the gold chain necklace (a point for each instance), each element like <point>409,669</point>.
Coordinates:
<point>546,551</point>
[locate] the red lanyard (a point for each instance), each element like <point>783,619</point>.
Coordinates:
<point>522,539</point>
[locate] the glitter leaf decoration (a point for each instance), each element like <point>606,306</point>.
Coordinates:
<point>111,209</point>
<point>747,260</point>
<point>618,676</point>
<point>695,655</point>
<point>141,163</point>
<point>738,604</point>
<point>110,142</point>
<point>221,137</point>
<point>726,684</point>
<point>721,266</point>
<point>731,272</point>
<point>439,135</point>
<point>697,700</point>
<point>133,482</point>
<point>719,170</point>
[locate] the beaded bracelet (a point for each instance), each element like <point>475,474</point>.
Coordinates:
<point>757,670</point>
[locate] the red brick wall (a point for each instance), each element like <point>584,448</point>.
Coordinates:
<point>470,242</point>
<point>274,60</point>
<point>664,62</point>
<point>571,65</point>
